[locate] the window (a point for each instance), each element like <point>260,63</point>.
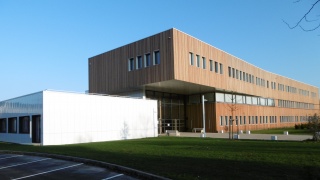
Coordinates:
<point>230,98</point>
<point>156,57</point>
<point>216,66</point>
<point>24,125</point>
<point>147,60</point>
<point>191,58</point>
<point>139,62</point>
<point>229,71</point>
<point>244,76</point>
<point>255,100</point>
<point>252,79</point>
<point>226,120</point>
<point>203,62</point>
<point>267,84</point>
<point>221,120</point>
<point>131,64</point>
<point>247,77</point>
<point>198,60</point>
<point>219,97</point>
<point>240,75</point>
<point>249,99</point>
<point>263,102</point>
<point>211,65</point>
<point>237,73</point>
<point>244,120</point>
<point>221,68</point>
<point>12,125</point>
<point>3,125</point>
<point>233,73</point>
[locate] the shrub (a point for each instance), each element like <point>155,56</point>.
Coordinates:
<point>297,126</point>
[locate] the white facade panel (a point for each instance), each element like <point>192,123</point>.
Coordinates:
<point>79,118</point>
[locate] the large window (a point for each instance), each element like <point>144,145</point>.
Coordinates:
<point>191,58</point>
<point>12,125</point>
<point>219,97</point>
<point>147,60</point>
<point>24,125</point>
<point>3,125</point>
<point>156,57</point>
<point>139,62</point>
<point>131,64</point>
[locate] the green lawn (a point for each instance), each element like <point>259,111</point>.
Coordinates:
<point>292,131</point>
<point>200,158</point>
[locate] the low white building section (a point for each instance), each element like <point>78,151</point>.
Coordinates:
<point>54,118</point>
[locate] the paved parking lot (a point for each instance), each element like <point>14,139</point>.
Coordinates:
<point>16,166</point>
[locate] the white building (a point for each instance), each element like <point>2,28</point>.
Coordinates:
<point>54,118</point>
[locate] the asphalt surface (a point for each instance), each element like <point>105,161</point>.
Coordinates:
<point>19,166</point>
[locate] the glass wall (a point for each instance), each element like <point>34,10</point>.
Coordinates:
<point>171,110</point>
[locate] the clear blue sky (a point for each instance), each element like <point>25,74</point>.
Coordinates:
<point>45,44</point>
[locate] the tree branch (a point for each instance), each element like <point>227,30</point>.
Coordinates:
<point>304,17</point>
<point>309,29</point>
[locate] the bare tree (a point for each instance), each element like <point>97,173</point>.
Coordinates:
<point>232,107</point>
<point>306,18</point>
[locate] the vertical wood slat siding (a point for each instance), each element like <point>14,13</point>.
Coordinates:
<point>108,72</point>
<point>184,44</point>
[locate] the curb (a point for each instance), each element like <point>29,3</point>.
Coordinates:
<point>122,169</point>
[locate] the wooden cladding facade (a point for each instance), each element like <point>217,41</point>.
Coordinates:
<point>109,73</point>
<point>184,44</point>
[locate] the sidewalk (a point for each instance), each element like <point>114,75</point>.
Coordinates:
<point>280,137</point>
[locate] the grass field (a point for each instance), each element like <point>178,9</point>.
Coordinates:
<point>292,131</point>
<point>200,158</point>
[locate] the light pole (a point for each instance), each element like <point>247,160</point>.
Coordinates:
<point>203,117</point>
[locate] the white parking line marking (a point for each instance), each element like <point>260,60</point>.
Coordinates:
<point>11,157</point>
<point>48,171</point>
<point>113,177</point>
<point>24,163</point>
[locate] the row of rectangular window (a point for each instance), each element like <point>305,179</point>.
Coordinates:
<point>214,65</point>
<point>303,92</point>
<point>241,99</point>
<point>313,94</point>
<point>235,73</point>
<point>10,125</point>
<point>138,63</point>
<point>294,104</point>
<point>226,120</point>
<point>290,89</point>
<point>285,119</point>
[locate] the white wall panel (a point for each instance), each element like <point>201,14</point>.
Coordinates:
<point>78,118</point>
